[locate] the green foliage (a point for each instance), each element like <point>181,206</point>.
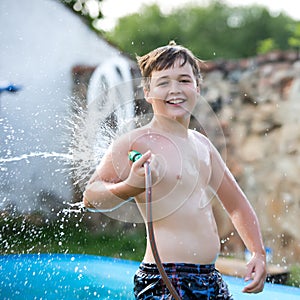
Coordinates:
<point>294,40</point>
<point>294,277</point>
<point>266,46</point>
<point>212,32</point>
<point>138,33</point>
<point>71,235</point>
<point>216,31</point>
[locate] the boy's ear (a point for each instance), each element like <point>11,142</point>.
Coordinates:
<point>146,94</point>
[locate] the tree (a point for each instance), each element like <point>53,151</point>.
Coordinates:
<point>216,31</point>
<point>140,32</point>
<point>212,32</point>
<point>294,40</point>
<point>266,46</point>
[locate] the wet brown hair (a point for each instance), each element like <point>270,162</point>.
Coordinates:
<point>164,58</point>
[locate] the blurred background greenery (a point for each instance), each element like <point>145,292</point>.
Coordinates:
<point>71,233</point>
<point>215,31</point>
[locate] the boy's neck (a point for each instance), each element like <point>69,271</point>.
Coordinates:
<point>169,125</point>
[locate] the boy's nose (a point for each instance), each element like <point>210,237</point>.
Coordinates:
<point>174,87</point>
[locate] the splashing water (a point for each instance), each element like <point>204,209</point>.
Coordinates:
<point>64,156</point>
<point>92,131</point>
<point>78,207</point>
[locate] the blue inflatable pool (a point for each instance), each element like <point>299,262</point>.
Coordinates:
<point>72,276</point>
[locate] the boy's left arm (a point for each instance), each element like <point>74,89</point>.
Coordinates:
<point>246,223</point>
<point>244,220</point>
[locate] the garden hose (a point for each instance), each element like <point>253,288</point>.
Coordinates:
<point>133,156</point>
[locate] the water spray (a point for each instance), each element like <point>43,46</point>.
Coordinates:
<point>134,155</point>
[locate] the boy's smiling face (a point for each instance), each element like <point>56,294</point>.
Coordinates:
<point>173,92</point>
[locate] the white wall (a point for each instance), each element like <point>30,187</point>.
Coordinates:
<point>40,42</point>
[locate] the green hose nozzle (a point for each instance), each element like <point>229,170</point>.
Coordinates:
<point>134,155</point>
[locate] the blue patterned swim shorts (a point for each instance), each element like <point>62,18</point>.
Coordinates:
<point>191,281</point>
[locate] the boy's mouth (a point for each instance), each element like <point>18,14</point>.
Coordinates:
<point>175,101</point>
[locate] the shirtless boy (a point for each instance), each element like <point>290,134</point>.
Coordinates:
<point>184,164</point>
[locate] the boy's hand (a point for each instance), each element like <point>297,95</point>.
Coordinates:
<point>256,270</point>
<point>136,177</point>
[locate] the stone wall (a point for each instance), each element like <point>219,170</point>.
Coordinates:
<point>257,101</point>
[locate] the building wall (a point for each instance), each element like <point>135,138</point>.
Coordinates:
<point>40,42</point>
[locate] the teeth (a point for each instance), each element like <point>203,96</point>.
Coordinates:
<point>175,101</point>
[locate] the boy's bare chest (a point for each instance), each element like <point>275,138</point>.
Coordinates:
<point>180,159</point>
<point>184,169</point>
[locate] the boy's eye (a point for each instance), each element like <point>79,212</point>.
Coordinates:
<point>185,80</point>
<point>163,83</point>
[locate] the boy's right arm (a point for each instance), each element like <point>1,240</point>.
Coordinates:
<point>107,188</point>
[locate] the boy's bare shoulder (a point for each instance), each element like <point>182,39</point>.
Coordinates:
<point>126,140</point>
<point>200,138</point>
<point>115,165</point>
<point>120,146</point>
